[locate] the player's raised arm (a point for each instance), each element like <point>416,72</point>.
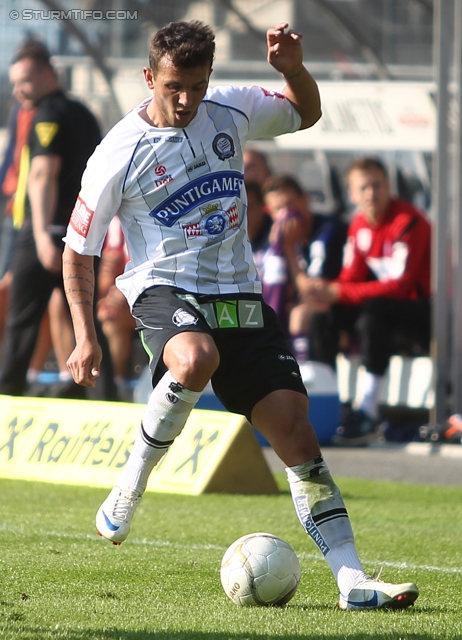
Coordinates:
<point>285,54</point>
<point>79,286</point>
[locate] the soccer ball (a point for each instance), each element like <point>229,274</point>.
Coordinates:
<point>260,569</point>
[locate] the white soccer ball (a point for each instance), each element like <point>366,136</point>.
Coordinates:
<point>260,569</point>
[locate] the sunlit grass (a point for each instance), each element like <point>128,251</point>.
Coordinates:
<point>59,580</point>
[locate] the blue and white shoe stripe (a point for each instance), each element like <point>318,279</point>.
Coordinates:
<point>110,525</point>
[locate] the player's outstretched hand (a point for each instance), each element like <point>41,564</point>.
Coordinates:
<point>285,52</point>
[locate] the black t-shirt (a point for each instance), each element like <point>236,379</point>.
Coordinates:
<point>65,128</point>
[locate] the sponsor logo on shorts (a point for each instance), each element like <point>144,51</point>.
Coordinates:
<point>231,314</point>
<point>285,356</point>
<point>223,146</point>
<point>227,315</point>
<point>183,318</point>
<point>81,218</point>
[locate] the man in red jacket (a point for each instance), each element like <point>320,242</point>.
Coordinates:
<point>383,289</point>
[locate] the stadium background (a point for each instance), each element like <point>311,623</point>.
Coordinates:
<point>383,52</point>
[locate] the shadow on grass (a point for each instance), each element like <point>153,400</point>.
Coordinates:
<point>28,633</point>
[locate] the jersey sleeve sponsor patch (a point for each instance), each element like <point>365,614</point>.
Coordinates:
<point>276,94</point>
<point>81,218</point>
<point>46,131</point>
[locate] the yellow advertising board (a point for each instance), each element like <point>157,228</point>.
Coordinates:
<point>85,442</point>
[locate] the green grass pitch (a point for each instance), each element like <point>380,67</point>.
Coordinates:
<point>60,581</point>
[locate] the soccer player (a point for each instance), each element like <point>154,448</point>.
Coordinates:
<point>172,169</point>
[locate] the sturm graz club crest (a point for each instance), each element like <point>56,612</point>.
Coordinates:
<point>182,318</point>
<point>223,145</point>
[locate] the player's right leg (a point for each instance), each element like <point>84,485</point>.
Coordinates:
<point>168,408</point>
<point>189,360</point>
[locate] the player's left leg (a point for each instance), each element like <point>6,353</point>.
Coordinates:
<point>259,377</point>
<point>282,419</point>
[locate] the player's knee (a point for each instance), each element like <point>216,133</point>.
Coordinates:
<point>201,358</point>
<point>196,362</point>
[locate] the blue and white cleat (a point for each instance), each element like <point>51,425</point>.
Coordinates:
<point>375,594</point>
<point>115,514</point>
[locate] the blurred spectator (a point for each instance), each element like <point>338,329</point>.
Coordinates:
<point>307,245</point>
<point>382,291</point>
<point>277,286</point>
<point>63,134</point>
<point>256,167</point>
<point>55,321</point>
<point>19,123</point>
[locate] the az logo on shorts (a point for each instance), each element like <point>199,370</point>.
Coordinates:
<point>233,314</point>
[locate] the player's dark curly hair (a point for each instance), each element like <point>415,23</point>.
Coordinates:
<point>186,44</point>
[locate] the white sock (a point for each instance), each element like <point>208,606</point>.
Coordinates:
<point>168,408</point>
<point>367,396</point>
<point>322,513</point>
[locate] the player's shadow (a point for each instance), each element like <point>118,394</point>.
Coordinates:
<point>117,634</point>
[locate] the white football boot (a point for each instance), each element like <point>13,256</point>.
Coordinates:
<point>375,594</point>
<point>115,514</point>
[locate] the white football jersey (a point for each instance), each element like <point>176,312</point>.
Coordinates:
<point>179,193</point>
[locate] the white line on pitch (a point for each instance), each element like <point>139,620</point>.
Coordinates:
<point>214,547</point>
<point>394,565</point>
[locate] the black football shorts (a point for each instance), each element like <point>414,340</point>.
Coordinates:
<point>254,357</point>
